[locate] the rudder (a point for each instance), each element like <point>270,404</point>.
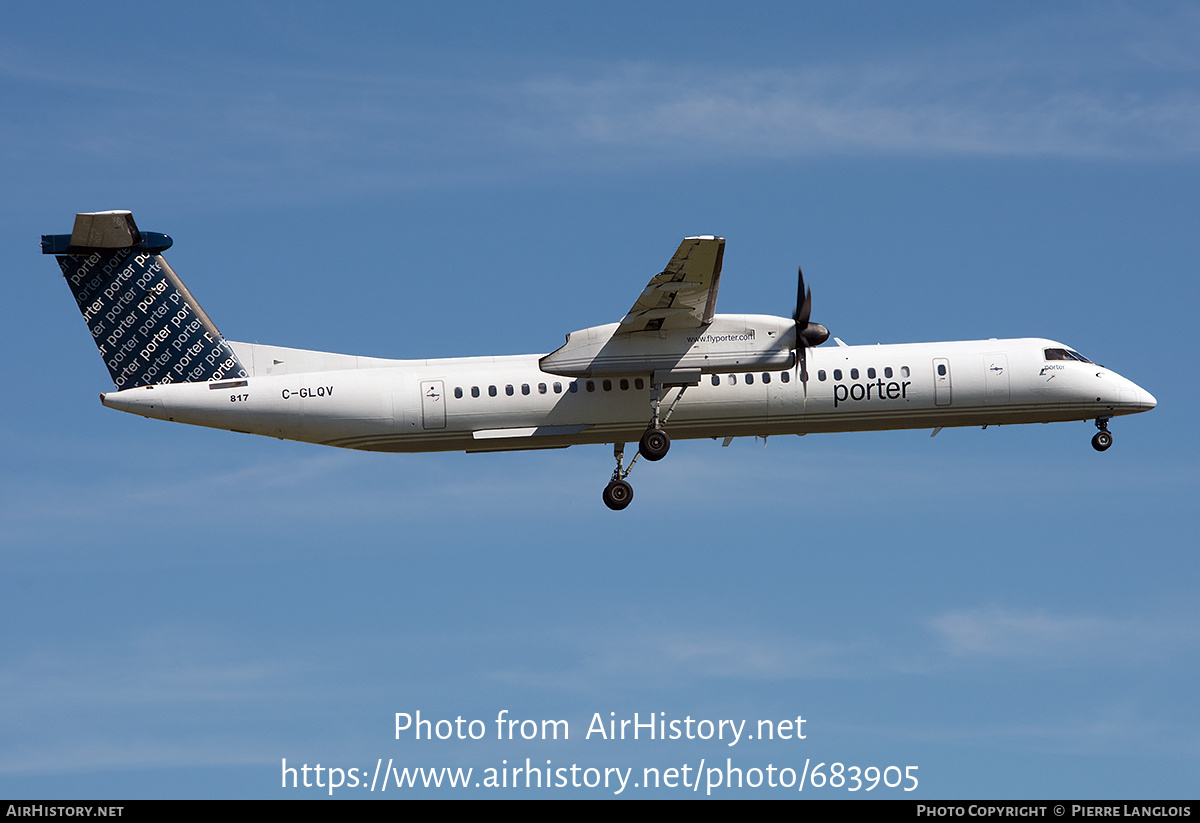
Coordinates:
<point>147,325</point>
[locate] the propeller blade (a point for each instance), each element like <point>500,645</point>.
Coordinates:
<point>800,317</point>
<point>802,363</point>
<point>803,301</point>
<point>806,334</point>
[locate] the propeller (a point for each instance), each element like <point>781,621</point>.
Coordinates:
<point>808,334</point>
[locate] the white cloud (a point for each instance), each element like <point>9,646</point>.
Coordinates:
<point>157,694</point>
<point>1012,633</point>
<point>1113,85</point>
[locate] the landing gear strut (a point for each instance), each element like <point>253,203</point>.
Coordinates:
<point>618,493</point>
<point>1103,438</point>
<point>653,446</point>
<point>655,443</point>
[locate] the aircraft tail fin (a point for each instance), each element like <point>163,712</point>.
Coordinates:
<point>147,325</point>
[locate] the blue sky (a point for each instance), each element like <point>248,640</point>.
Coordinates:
<point>1006,609</point>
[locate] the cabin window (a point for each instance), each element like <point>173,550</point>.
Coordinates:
<point>887,371</point>
<point>557,387</point>
<point>905,371</point>
<point>639,383</point>
<point>749,380</point>
<point>716,379</point>
<point>766,377</point>
<point>524,388</point>
<point>786,377</point>
<point>837,374</point>
<point>732,379</point>
<point>941,369</point>
<point>870,374</point>
<point>474,391</point>
<point>607,384</point>
<point>591,385</point>
<point>509,390</point>
<point>821,375</point>
<point>854,374</point>
<point>624,384</point>
<point>541,388</point>
<point>491,391</point>
<point>573,387</point>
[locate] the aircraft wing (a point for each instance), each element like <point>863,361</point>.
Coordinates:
<point>684,294</point>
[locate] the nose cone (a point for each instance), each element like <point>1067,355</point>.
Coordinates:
<point>1134,398</point>
<point>1120,395</point>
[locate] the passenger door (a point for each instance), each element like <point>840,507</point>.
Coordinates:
<point>433,404</point>
<point>941,381</point>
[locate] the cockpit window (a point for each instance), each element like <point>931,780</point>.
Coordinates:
<point>1065,354</point>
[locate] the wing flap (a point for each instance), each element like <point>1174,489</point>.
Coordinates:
<point>684,294</point>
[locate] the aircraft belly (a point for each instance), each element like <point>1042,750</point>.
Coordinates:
<point>921,418</point>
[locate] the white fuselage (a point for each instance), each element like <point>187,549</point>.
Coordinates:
<point>504,403</point>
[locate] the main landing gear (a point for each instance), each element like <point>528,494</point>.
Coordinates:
<point>1103,438</point>
<point>618,493</point>
<point>653,446</point>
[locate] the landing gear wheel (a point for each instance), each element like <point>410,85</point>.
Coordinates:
<point>1102,441</point>
<point>617,495</point>
<point>654,445</point>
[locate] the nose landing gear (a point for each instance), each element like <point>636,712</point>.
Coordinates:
<point>1103,438</point>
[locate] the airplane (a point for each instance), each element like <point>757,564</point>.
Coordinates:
<point>671,368</point>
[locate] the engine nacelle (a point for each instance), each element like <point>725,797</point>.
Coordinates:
<point>732,342</point>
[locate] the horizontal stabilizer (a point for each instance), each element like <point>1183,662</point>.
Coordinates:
<point>97,231</point>
<point>105,230</point>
